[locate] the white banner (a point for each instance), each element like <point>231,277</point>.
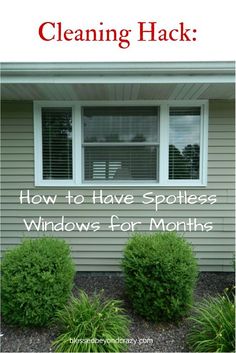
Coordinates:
<point>121,30</point>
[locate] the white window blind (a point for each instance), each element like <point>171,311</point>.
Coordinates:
<point>184,142</point>
<point>121,143</point>
<point>57,143</point>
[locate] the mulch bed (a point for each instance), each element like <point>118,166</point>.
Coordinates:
<point>149,337</point>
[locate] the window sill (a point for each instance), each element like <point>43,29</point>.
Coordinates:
<point>120,185</point>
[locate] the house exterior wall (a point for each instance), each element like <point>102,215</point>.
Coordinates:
<point>102,250</point>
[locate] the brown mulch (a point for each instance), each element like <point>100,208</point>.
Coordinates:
<point>149,337</point>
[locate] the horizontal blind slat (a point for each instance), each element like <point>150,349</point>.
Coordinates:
<point>121,163</point>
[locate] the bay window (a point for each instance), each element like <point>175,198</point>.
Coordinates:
<point>129,144</point>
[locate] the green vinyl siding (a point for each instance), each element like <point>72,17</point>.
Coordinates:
<point>102,250</point>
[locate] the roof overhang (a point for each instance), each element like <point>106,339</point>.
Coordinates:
<point>216,78</point>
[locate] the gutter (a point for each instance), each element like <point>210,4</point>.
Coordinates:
<point>118,72</point>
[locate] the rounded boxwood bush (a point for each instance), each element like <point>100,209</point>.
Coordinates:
<point>92,325</point>
<point>160,274</point>
<point>37,278</point>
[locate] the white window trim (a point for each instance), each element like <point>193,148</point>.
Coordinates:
<point>77,153</point>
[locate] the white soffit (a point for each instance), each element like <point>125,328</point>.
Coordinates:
<point>118,81</point>
<point>116,92</point>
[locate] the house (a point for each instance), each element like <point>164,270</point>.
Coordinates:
<point>94,151</point>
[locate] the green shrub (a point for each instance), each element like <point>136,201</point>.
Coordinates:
<point>102,323</point>
<point>213,326</point>
<point>37,278</point>
<point>160,274</point>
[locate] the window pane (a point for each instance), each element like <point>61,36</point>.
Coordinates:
<point>121,163</point>
<point>57,143</point>
<point>184,145</point>
<point>120,124</point>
